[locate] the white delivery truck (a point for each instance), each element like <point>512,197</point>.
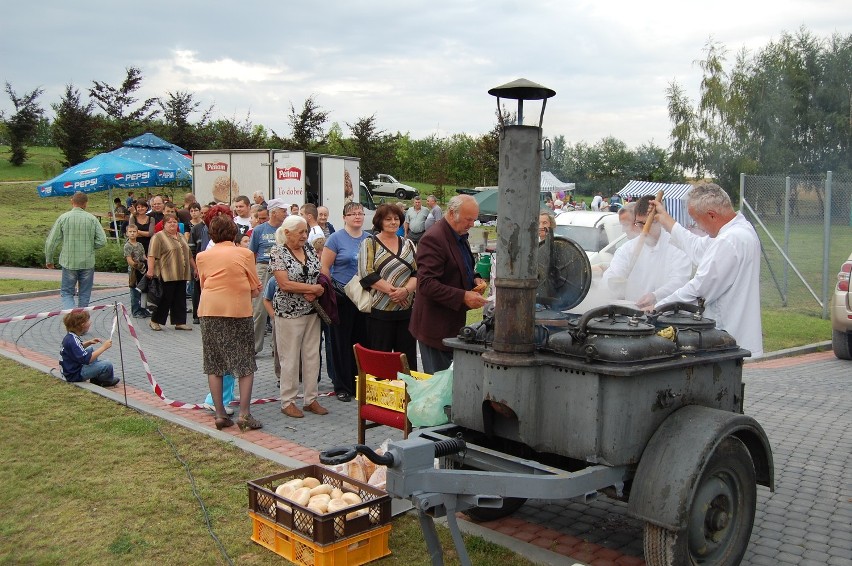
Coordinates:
<point>295,176</point>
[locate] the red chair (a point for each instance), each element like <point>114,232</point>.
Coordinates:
<point>381,365</point>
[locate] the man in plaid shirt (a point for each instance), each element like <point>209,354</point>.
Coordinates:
<point>80,234</point>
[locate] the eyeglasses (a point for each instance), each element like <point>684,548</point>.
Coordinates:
<point>639,224</point>
<point>355,214</point>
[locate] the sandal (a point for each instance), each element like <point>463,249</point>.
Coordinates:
<point>154,325</point>
<point>223,422</point>
<point>248,422</point>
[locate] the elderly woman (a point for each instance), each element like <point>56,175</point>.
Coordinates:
<point>340,262</point>
<point>228,284</point>
<point>169,259</point>
<point>387,267</point>
<point>296,268</point>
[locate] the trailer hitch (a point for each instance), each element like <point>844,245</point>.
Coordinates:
<point>343,454</point>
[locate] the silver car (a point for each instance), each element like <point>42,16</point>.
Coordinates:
<point>841,314</point>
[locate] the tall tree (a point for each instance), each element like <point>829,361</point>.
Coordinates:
<point>123,118</point>
<point>307,125</point>
<point>373,146</point>
<point>23,123</point>
<point>177,109</point>
<point>73,128</point>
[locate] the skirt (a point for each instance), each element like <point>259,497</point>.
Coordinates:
<point>227,345</point>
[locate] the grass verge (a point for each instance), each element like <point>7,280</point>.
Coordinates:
<point>89,481</point>
<point>12,286</point>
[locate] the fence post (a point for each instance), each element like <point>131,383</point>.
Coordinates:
<point>786,279</point>
<point>827,244</point>
<point>742,189</point>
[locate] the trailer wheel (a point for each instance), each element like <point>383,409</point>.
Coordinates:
<point>721,514</point>
<point>483,514</point>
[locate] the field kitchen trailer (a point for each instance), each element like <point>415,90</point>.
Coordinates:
<point>553,405</point>
<point>295,176</point>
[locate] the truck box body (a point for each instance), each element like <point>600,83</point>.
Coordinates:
<point>296,177</point>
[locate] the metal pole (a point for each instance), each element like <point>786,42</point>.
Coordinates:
<point>517,240</point>
<point>827,244</point>
<point>742,189</point>
<point>786,277</point>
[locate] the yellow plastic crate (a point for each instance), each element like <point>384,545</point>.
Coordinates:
<point>382,393</point>
<point>359,549</point>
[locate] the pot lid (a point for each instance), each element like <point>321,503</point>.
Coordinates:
<point>619,325</point>
<point>685,320</point>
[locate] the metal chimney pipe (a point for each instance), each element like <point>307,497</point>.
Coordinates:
<point>517,239</point>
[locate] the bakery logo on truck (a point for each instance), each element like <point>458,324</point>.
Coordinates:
<point>217,166</point>
<point>284,173</point>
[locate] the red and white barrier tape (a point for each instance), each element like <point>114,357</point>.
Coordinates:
<point>154,385</point>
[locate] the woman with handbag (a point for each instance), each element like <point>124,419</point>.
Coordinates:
<point>228,283</point>
<point>296,269</point>
<point>340,262</point>
<point>387,267</point>
<point>169,259</point>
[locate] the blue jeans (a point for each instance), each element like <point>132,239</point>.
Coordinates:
<point>80,279</point>
<point>98,372</point>
<point>135,301</point>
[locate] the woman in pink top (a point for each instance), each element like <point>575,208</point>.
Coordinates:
<point>228,284</point>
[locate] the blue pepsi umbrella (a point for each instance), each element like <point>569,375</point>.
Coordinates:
<point>104,172</point>
<point>156,151</point>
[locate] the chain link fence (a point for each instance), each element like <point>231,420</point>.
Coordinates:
<point>805,227</point>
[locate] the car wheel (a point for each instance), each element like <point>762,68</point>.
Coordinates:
<point>400,194</point>
<point>840,343</point>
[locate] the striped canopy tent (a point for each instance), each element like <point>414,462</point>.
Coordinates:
<point>674,197</point>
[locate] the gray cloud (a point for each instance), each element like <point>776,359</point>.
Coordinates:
<point>420,67</point>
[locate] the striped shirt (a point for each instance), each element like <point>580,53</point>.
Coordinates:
<point>376,262</point>
<point>80,234</point>
<point>172,257</point>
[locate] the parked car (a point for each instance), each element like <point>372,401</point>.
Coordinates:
<point>841,314</point>
<point>387,185</point>
<point>598,233</point>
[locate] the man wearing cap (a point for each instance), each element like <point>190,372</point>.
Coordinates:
<point>262,240</point>
<point>415,220</point>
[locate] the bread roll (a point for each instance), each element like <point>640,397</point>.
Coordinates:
<point>320,507</point>
<point>351,498</point>
<point>296,483</point>
<point>335,505</point>
<point>322,488</point>
<point>310,482</point>
<point>336,493</point>
<point>321,498</point>
<point>355,470</point>
<point>353,514</point>
<point>302,496</point>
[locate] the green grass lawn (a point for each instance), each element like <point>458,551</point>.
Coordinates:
<point>89,481</point>
<point>12,286</point>
<point>42,163</point>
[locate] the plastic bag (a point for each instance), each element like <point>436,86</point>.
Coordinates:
<point>429,397</point>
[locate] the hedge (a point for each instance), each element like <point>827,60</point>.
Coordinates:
<point>29,252</point>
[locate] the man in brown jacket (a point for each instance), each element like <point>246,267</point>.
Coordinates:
<point>445,283</point>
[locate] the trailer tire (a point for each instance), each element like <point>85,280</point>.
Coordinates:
<point>483,514</point>
<point>721,514</point>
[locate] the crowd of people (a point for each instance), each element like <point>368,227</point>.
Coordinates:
<point>251,268</point>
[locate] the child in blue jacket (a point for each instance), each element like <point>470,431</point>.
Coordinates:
<point>79,360</point>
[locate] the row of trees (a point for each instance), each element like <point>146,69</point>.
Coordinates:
<point>784,109</point>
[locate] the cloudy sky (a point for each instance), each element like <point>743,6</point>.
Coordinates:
<point>420,66</point>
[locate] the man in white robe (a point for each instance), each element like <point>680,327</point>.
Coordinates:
<point>645,274</point>
<point>728,259</point>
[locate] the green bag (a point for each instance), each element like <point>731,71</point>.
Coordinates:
<point>429,397</point>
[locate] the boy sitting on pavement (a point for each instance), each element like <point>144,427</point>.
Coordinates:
<point>79,360</point>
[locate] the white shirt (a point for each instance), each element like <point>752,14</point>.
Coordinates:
<point>728,277</point>
<point>240,221</point>
<point>596,202</point>
<point>314,233</point>
<point>660,269</point>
